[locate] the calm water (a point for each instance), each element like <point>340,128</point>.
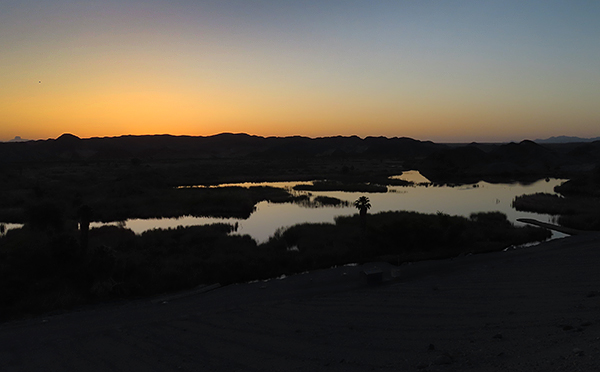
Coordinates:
<point>463,200</point>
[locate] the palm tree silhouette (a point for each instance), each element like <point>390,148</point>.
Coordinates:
<point>363,205</point>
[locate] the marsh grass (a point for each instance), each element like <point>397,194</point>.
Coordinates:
<point>577,211</point>
<point>342,186</point>
<point>43,270</point>
<point>236,202</point>
<point>307,201</point>
<point>408,235</point>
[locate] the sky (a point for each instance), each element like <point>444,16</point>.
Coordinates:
<point>447,71</point>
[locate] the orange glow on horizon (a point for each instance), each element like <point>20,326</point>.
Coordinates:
<point>429,71</point>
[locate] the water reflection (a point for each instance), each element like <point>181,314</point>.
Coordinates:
<point>4,227</point>
<point>139,225</point>
<point>463,200</point>
<point>422,197</point>
<point>412,176</point>
<point>287,185</point>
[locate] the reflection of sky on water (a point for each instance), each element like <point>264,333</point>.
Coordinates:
<point>454,201</point>
<point>412,176</point>
<point>288,185</point>
<point>10,226</point>
<point>141,225</point>
<point>462,200</point>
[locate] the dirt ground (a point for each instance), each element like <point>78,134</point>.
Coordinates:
<point>533,309</point>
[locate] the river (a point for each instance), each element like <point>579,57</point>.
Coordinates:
<point>423,197</point>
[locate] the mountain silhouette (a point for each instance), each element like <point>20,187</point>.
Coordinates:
<point>435,161</point>
<point>566,139</point>
<point>225,145</point>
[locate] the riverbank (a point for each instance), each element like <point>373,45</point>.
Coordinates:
<point>534,309</point>
<point>47,270</point>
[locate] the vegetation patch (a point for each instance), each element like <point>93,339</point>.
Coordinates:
<point>45,267</point>
<point>578,207</point>
<point>341,186</point>
<point>330,201</point>
<point>546,203</point>
<point>404,236</point>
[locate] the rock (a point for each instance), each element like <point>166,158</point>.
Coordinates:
<point>577,351</point>
<point>498,336</point>
<point>431,347</point>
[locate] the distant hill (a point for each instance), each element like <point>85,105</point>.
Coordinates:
<point>438,162</point>
<point>523,160</point>
<point>566,139</point>
<point>18,139</point>
<point>69,147</point>
<point>526,160</point>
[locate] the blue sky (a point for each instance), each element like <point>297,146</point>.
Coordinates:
<point>431,70</point>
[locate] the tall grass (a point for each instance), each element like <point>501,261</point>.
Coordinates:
<point>44,269</point>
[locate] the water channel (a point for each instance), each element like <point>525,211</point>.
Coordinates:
<point>423,197</point>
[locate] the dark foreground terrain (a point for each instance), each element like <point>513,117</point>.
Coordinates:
<point>534,309</point>
<point>52,186</point>
<point>46,269</point>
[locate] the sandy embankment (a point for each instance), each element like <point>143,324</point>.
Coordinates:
<point>537,309</point>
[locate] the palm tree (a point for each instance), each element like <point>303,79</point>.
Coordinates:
<point>363,205</point>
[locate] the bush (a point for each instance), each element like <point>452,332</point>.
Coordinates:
<point>39,272</point>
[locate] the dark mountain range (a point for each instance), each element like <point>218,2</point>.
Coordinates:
<point>18,139</point>
<point>438,162</point>
<point>566,139</point>
<point>525,152</point>
<point>522,160</point>
<point>225,145</point>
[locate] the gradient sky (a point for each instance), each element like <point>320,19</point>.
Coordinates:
<point>446,71</point>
